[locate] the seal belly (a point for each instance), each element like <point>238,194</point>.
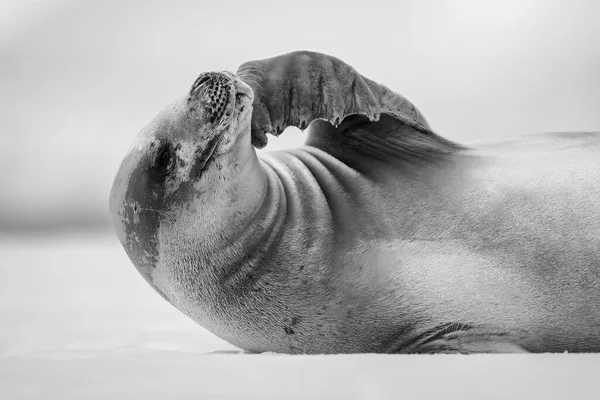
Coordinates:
<point>522,240</point>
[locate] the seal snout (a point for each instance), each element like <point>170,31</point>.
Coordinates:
<point>219,94</point>
<point>214,90</point>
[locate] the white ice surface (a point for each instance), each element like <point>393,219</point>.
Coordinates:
<point>77,321</point>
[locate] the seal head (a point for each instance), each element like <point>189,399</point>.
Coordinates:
<point>184,161</point>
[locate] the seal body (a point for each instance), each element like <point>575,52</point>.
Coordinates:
<point>377,236</point>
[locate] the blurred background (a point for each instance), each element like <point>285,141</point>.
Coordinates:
<point>79,79</point>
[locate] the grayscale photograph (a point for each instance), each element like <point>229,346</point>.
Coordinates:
<point>299,200</point>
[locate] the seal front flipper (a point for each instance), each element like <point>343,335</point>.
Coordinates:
<point>297,88</point>
<point>465,339</point>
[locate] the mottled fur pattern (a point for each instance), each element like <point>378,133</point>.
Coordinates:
<point>377,236</point>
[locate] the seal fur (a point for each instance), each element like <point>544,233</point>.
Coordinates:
<point>377,236</point>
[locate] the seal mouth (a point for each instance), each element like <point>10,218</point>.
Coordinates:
<point>242,89</point>
<point>208,154</point>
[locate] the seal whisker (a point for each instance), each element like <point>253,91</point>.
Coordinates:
<point>248,73</point>
<point>250,79</point>
<point>254,83</point>
<point>254,72</point>
<point>250,68</point>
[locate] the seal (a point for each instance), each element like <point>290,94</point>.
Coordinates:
<point>378,235</point>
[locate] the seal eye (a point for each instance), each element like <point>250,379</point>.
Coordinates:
<point>165,160</point>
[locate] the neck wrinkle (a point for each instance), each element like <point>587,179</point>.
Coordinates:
<point>247,249</point>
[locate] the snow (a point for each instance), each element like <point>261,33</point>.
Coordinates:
<point>77,321</point>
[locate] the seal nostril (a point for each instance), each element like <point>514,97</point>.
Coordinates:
<point>199,82</point>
